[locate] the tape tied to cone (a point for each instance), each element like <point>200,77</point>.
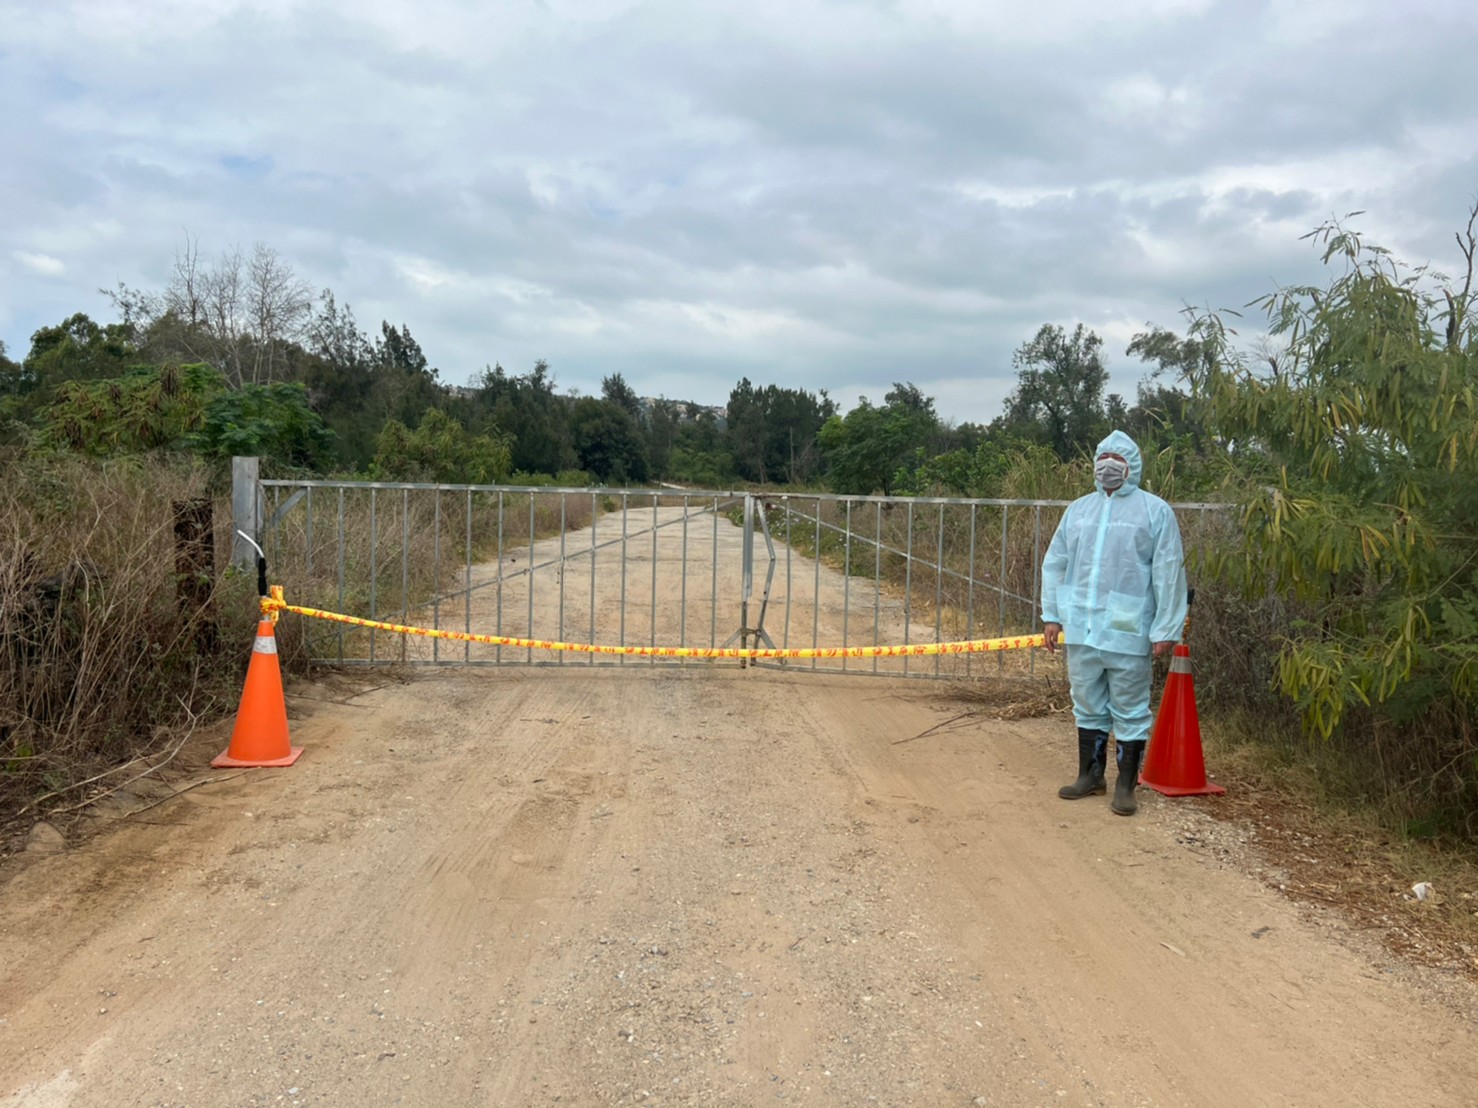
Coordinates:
<point>274,605</point>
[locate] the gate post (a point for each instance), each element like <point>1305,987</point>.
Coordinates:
<point>748,571</point>
<point>246,509</point>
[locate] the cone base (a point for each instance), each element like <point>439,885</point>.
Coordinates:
<point>225,761</point>
<point>1207,789</point>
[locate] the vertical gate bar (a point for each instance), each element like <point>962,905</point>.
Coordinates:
<point>591,656</point>
<point>789,578</point>
<point>939,587</point>
<point>877,577</point>
<point>713,585</point>
<point>497,655</point>
<point>908,584</point>
<point>374,555</point>
<point>341,572</point>
<point>816,589</point>
<point>970,591</point>
<point>308,540</point>
<point>746,574</point>
<point>1036,583</point>
<point>846,583</point>
<point>405,564</point>
<point>682,607</point>
<point>530,631</point>
<point>1005,534</point>
<point>271,542</point>
<point>275,539</point>
<point>625,500</point>
<point>436,574</point>
<point>467,578</point>
<point>653,623</point>
<point>559,575</point>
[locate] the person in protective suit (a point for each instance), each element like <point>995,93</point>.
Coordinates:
<point>1113,593</point>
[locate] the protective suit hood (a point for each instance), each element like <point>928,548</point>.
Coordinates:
<point>1121,444</point>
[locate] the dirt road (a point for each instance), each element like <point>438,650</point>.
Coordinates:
<point>703,886</point>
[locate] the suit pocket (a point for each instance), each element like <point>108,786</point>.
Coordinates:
<point>1127,613</point>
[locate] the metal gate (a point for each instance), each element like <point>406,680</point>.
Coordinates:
<point>666,567</point>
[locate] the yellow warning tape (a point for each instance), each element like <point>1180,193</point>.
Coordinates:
<point>274,604</point>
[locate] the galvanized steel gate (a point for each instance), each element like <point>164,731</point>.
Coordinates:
<point>654,567</point>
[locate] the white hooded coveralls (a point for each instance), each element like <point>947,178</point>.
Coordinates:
<point>1114,578</point>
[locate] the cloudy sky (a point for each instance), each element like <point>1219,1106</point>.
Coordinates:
<point>836,194</point>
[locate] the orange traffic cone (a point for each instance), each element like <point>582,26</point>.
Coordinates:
<point>1173,764</point>
<point>260,735</point>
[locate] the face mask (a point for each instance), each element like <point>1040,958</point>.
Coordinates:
<point>1110,472</point>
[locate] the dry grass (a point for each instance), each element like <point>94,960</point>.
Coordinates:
<point>1324,851</point>
<point>972,569</point>
<point>383,554</point>
<point>1015,695</point>
<point>109,656</point>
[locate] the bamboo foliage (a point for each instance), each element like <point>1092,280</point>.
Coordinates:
<point>1357,459</point>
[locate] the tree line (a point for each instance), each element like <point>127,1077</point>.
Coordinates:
<point>240,356</point>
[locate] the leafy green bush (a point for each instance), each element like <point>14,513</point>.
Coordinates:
<point>186,408</point>
<point>440,450</point>
<point>1353,452</point>
<point>147,408</point>
<point>273,422</point>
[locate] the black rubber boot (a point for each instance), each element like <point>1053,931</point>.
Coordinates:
<point>1092,759</point>
<point>1129,756</point>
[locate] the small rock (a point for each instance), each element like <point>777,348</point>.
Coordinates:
<point>45,839</point>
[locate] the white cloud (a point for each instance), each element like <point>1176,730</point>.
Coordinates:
<point>44,264</point>
<point>817,192</point>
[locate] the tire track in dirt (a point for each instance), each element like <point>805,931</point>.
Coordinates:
<point>1165,951</point>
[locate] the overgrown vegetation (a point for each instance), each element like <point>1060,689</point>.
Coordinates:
<point>1354,447</point>
<point>110,652</point>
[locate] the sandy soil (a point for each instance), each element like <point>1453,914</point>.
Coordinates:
<point>686,886</point>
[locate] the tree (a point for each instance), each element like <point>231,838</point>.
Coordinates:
<point>527,408</point>
<point>441,450</point>
<point>147,408</point>
<point>771,431</point>
<point>744,433</point>
<point>334,336</point>
<point>280,308</point>
<point>274,422</point>
<point>77,349</point>
<point>1058,399</point>
<point>1169,418</point>
<point>608,441</point>
<point>338,375</point>
<point>1188,361</point>
<point>1354,458</point>
<point>698,455</point>
<point>245,315</point>
<point>615,389</point>
<point>662,430</point>
<point>402,384</point>
<point>866,450</point>
<point>977,472</point>
<point>16,385</point>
